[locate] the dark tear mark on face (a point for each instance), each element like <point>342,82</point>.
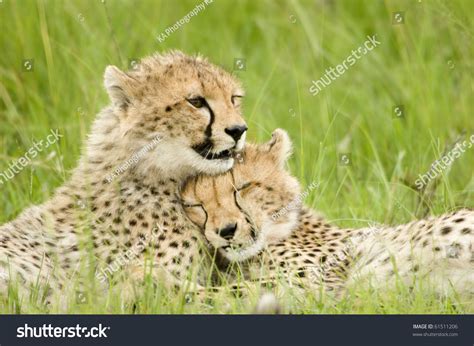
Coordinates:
<point>204,148</point>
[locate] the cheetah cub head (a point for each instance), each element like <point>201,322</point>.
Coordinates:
<point>240,211</point>
<point>190,106</point>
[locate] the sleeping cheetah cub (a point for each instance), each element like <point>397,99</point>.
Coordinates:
<point>237,213</point>
<point>174,117</point>
<point>233,211</point>
<point>241,215</point>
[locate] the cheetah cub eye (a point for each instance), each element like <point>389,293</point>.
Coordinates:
<point>241,212</point>
<point>197,102</point>
<point>236,100</point>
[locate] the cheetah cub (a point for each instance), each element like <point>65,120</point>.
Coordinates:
<point>245,214</point>
<point>252,216</point>
<point>173,117</point>
<point>234,211</point>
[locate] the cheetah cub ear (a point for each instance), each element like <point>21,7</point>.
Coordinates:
<point>279,147</point>
<point>119,86</point>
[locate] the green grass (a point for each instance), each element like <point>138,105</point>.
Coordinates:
<point>424,64</point>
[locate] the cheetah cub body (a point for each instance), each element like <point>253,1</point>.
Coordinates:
<point>173,117</point>
<point>314,253</point>
<point>439,249</point>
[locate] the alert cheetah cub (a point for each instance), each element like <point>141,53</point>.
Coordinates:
<point>174,117</point>
<point>241,215</point>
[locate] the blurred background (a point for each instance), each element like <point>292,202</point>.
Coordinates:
<point>364,139</point>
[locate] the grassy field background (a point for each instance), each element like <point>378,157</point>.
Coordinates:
<point>423,64</point>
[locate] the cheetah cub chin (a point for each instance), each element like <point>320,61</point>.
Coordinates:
<point>237,210</point>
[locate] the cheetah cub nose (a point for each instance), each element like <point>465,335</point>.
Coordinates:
<point>236,131</point>
<point>228,231</point>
